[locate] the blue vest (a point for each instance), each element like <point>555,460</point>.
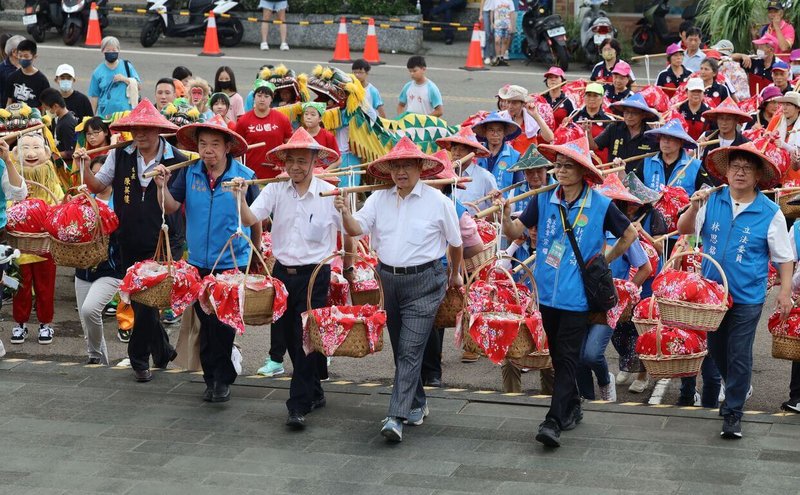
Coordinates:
<point>507,157</point>
<point>521,205</point>
<point>739,245</point>
<point>562,288</point>
<point>3,218</point>
<point>797,238</point>
<point>655,176</point>
<point>211,218</point>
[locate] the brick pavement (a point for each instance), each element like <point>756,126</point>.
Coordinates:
<point>68,428</point>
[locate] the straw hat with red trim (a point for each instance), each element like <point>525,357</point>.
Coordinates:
<point>448,172</point>
<point>577,150</point>
<point>718,159</point>
<point>302,140</point>
<point>144,115</point>
<point>613,188</point>
<point>404,150</point>
<point>466,137</point>
<point>728,107</point>
<point>187,135</point>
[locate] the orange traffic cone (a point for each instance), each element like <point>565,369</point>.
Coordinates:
<point>93,34</point>
<point>341,53</point>
<point>211,44</point>
<point>474,56</point>
<point>371,53</point>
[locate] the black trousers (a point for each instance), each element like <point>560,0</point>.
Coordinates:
<point>794,384</point>
<point>565,333</point>
<point>277,345</point>
<point>432,359</point>
<point>305,386</point>
<point>216,344</point>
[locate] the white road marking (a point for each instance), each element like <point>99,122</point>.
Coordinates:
<point>658,391</point>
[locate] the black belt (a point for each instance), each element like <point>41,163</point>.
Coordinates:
<point>407,270</point>
<point>294,270</point>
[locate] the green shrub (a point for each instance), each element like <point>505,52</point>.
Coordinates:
<point>335,7</point>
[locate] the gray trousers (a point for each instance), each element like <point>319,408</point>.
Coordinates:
<point>411,302</point>
<point>92,299</point>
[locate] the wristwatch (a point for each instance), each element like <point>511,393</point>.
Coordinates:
<point>349,269</point>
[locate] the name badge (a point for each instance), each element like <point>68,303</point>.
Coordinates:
<point>555,254</point>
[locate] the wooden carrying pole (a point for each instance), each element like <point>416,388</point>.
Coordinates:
<point>177,166</point>
<point>261,182</point>
<point>17,134</point>
<point>378,187</point>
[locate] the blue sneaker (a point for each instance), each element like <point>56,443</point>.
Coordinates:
<point>392,429</point>
<point>417,415</point>
<point>271,368</point>
<point>168,317</point>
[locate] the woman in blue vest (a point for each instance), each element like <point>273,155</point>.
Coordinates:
<point>562,300</point>
<point>497,132</point>
<point>211,218</point>
<point>793,404</point>
<point>743,231</point>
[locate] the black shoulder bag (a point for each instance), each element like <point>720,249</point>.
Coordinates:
<point>598,283</point>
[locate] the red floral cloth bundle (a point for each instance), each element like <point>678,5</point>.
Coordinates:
<point>642,310</point>
<point>334,324</point>
<point>789,328</point>
<point>675,114</point>
<point>146,274</point>
<point>672,200</point>
<point>674,342</point>
<point>28,216</point>
<point>223,294</point>
<point>575,91</point>
<point>628,294</point>
<point>690,287</point>
<point>75,220</point>
<point>773,277</point>
<point>544,109</point>
<point>474,118</point>
<point>486,230</point>
<point>655,97</point>
<point>338,290</point>
<point>652,255</point>
<point>266,244</point>
<point>568,132</point>
<point>751,104</point>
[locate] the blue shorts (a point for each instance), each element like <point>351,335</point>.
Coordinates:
<point>274,6</point>
<point>501,33</point>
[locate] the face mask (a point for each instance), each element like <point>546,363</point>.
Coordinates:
<point>795,70</point>
<point>224,84</point>
<point>65,84</point>
<point>25,62</point>
<point>760,53</point>
<point>51,114</point>
<point>111,57</point>
<point>609,55</point>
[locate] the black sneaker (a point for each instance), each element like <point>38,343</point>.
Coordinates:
<point>296,420</point>
<point>18,334</point>
<point>731,427</point>
<point>208,394</point>
<point>549,434</point>
<point>318,403</point>
<point>791,405</point>
<point>124,336</point>
<point>575,417</point>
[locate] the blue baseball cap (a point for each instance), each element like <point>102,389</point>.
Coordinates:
<point>780,65</point>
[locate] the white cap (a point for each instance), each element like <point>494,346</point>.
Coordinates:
<point>695,84</point>
<point>65,69</point>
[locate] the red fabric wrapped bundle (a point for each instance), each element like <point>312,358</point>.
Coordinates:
<point>788,328</point>
<point>568,132</point>
<point>642,310</point>
<point>338,291</point>
<point>652,255</point>
<point>146,274</point>
<point>690,287</point>
<point>655,97</point>
<point>672,200</point>
<point>544,108</point>
<point>486,230</point>
<point>675,114</point>
<point>628,294</point>
<point>751,104</point>
<point>773,278</point>
<point>474,118</point>
<point>75,220</point>
<point>674,342</point>
<point>28,216</point>
<point>266,245</point>
<point>334,323</point>
<point>575,91</point>
<point>776,154</point>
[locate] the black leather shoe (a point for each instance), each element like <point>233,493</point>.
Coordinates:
<point>208,394</point>
<point>222,393</point>
<point>575,417</point>
<point>549,434</point>
<point>296,420</point>
<point>142,375</point>
<point>318,404</point>
<point>93,361</point>
<point>435,382</point>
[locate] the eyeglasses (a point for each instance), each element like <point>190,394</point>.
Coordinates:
<point>745,169</point>
<point>565,166</point>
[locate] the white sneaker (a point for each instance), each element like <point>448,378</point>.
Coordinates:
<point>698,399</point>
<point>487,61</point>
<point>721,396</point>
<point>624,378</point>
<point>2,349</point>
<point>264,45</point>
<point>639,386</point>
<point>749,393</point>
<point>236,359</point>
<point>284,47</point>
<point>609,392</point>
<point>46,333</point>
<point>18,334</point>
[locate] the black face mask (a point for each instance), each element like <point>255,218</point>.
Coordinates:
<point>224,84</point>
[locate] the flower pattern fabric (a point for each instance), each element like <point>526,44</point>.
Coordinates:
<point>655,97</point>
<point>335,323</point>
<point>690,287</point>
<point>673,198</point>
<point>28,216</point>
<point>486,230</point>
<point>789,328</point>
<point>628,296</point>
<point>223,294</point>
<point>75,221</point>
<point>674,342</point>
<point>146,274</point>
<point>642,310</point>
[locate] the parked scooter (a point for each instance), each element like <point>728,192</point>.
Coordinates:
<point>596,27</point>
<point>653,25</point>
<point>40,16</point>
<point>161,20</point>
<point>76,18</point>
<point>545,36</point>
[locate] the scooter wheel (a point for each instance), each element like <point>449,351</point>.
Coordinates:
<point>643,41</point>
<point>151,32</point>
<point>72,33</point>
<point>37,32</point>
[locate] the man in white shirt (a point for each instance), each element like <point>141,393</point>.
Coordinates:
<point>411,226</point>
<point>483,182</point>
<point>304,228</point>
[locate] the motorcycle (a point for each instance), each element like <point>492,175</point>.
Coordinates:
<point>40,16</point>
<point>653,25</point>
<point>596,27</point>
<point>545,36</point>
<point>76,18</point>
<point>161,20</point>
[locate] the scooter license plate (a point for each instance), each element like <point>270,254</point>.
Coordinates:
<point>556,31</point>
<point>598,38</point>
<point>29,19</point>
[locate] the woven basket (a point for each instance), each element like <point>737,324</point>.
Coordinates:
<point>538,359</point>
<point>356,344</point>
<point>28,242</point>
<point>258,305</point>
<point>644,325</point>
<point>452,304</point>
<point>82,254</point>
<point>159,296</point>
<point>784,347</point>
<point>789,211</point>
<point>361,297</point>
<point>673,366</point>
<point>693,316</point>
<point>473,263</point>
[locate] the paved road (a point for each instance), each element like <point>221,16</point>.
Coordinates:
<point>70,429</point>
<point>464,93</point>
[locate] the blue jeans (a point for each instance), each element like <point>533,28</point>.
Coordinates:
<point>731,346</point>
<point>711,384</point>
<point>593,358</point>
<point>488,50</point>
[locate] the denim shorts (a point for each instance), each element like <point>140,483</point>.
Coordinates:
<point>501,33</point>
<point>274,6</point>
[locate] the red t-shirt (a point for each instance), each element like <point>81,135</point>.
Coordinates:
<point>274,129</point>
<point>327,139</point>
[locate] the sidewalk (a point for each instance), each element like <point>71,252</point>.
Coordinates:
<point>69,428</point>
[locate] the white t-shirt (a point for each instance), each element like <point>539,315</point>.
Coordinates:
<point>420,98</point>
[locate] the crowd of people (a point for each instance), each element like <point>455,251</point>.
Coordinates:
<point>729,121</point>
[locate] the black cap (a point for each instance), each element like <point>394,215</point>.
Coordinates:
<point>774,4</point>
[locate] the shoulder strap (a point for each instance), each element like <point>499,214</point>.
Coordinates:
<point>127,68</point>
<point>571,236</point>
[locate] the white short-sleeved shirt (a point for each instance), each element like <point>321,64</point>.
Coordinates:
<point>304,228</point>
<point>420,98</point>
<point>483,183</point>
<point>411,231</point>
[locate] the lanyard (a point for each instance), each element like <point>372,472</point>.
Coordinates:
<point>578,216</point>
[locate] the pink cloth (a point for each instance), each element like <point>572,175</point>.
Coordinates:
<point>469,231</point>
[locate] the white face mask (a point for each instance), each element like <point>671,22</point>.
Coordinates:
<point>65,84</point>
<point>760,53</point>
<point>795,70</point>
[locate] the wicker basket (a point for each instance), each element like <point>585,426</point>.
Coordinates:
<point>356,344</point>
<point>789,211</point>
<point>32,242</point>
<point>452,304</point>
<point>159,296</point>
<point>473,263</point>
<point>693,316</point>
<point>361,297</point>
<point>673,366</point>
<point>644,325</point>
<point>784,347</point>
<point>82,254</point>
<point>538,359</point>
